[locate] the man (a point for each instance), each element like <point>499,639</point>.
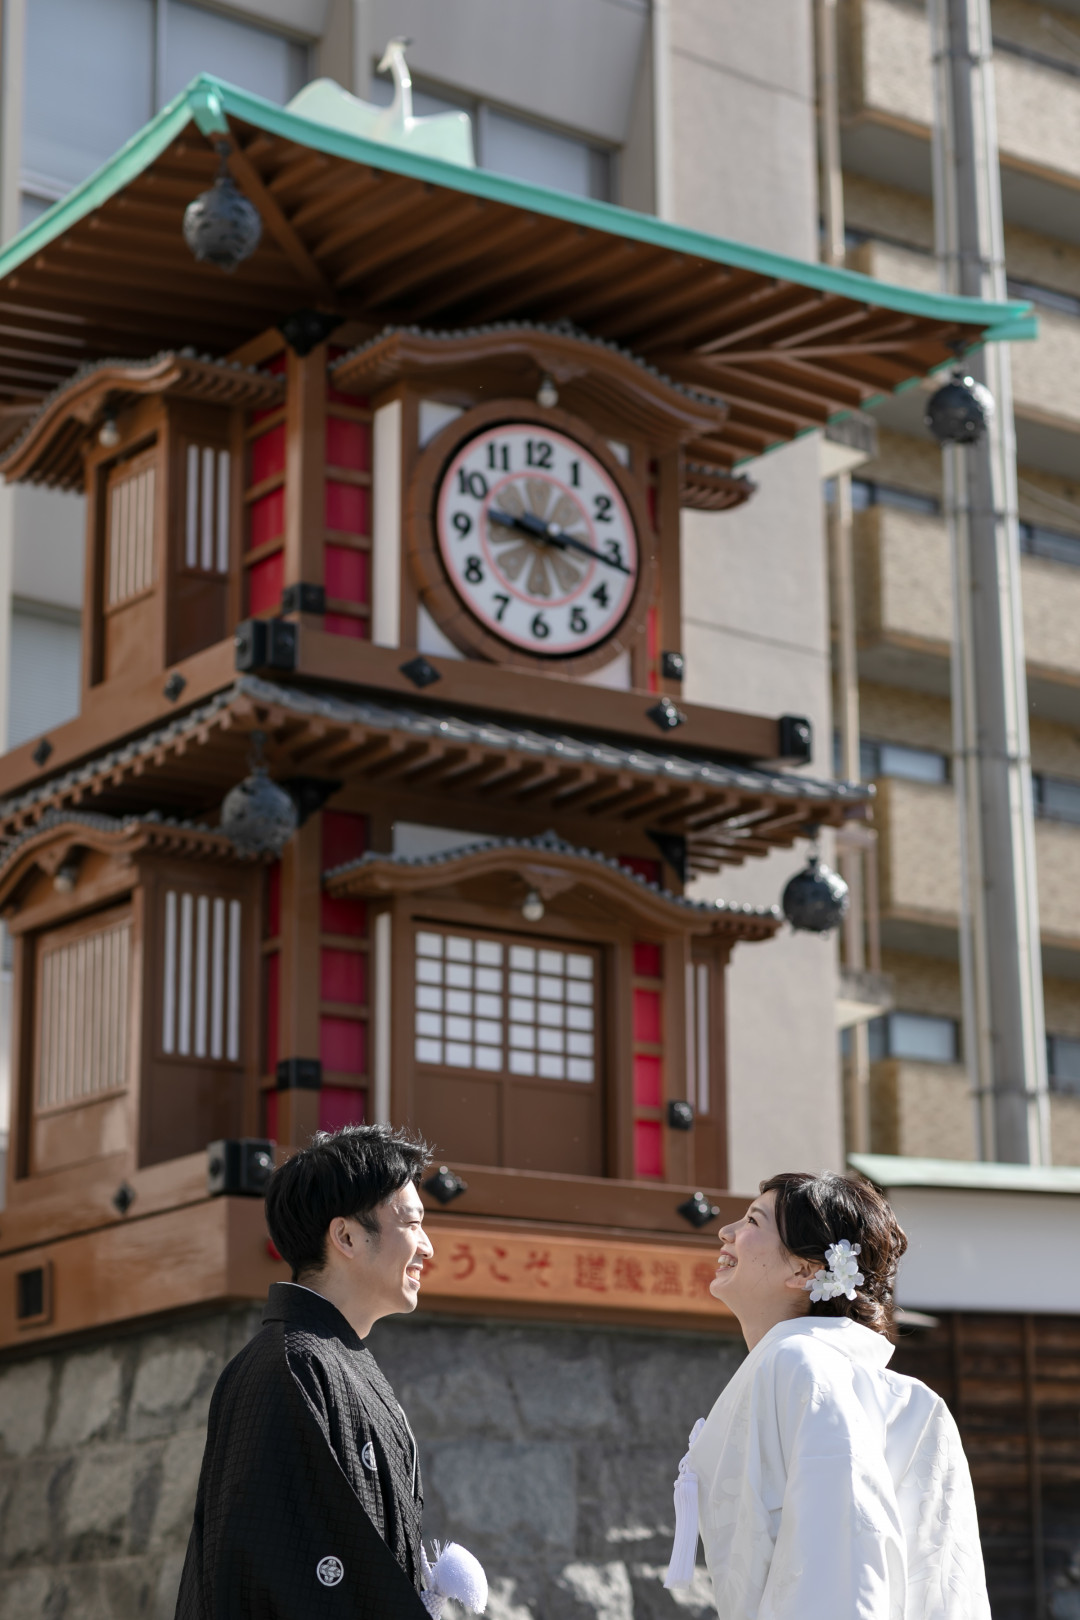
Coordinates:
<point>309,1502</point>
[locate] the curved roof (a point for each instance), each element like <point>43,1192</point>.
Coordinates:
<point>385,236</point>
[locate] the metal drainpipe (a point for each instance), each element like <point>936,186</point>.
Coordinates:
<point>841,538</point>
<point>1001,968</point>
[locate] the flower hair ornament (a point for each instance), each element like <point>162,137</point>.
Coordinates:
<point>842,1276</point>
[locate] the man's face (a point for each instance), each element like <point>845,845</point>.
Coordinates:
<point>391,1263</point>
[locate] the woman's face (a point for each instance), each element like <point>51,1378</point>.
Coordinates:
<point>754,1269</point>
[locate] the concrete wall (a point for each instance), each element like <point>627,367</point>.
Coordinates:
<point>549,1451</point>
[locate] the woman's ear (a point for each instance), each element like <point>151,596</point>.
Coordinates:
<point>800,1276</point>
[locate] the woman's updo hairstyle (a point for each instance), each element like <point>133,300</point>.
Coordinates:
<point>814,1211</point>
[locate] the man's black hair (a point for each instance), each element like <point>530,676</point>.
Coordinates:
<point>343,1173</point>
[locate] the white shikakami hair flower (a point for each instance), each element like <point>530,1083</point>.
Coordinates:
<point>843,1275</point>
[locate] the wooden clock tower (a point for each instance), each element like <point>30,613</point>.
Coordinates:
<point>396,519</point>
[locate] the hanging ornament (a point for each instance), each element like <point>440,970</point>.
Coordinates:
<point>960,411</point>
<point>816,898</point>
<point>257,815</point>
<point>221,226</point>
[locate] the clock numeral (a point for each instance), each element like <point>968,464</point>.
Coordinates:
<point>579,624</point>
<point>539,453</point>
<point>474,571</point>
<point>600,596</point>
<point>613,552</point>
<point>575,474</point>
<point>462,523</point>
<point>504,603</point>
<point>499,457</point>
<point>540,627</point>
<point>472,483</point>
<point>602,508</point>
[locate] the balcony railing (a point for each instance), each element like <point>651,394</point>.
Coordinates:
<point>904,591</point>
<point>919,868</point>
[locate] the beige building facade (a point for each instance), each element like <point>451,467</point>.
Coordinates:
<point>920,1101</point>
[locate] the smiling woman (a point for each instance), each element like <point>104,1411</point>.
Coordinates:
<point>825,1487</point>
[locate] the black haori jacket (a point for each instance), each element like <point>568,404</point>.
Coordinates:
<point>309,1501</point>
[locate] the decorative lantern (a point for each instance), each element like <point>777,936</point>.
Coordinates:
<point>257,815</point>
<point>221,226</point>
<point>816,898</point>
<point>960,411</point>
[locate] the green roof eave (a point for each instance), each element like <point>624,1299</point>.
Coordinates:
<point>208,102</point>
<point>964,1175</point>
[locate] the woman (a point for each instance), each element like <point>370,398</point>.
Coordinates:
<point>824,1486</point>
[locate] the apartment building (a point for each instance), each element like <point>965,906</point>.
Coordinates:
<point>920,1103</point>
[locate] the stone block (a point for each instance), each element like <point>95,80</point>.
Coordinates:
<point>666,1387</point>
<point>180,1465</point>
<point>102,1487</point>
<point>560,1392</point>
<point>24,1594</point>
<point>35,1492</point>
<point>168,1585</point>
<point>490,1494</point>
<point>24,1405</point>
<point>172,1388</point>
<point>603,1590</point>
<point>89,1397</point>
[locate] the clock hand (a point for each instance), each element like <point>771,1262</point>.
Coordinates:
<point>535,527</point>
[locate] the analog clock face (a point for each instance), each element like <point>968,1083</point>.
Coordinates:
<point>537,539</point>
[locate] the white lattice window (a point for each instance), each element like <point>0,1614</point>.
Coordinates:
<point>698,1070</point>
<point>83,1001</point>
<point>206,510</point>
<point>131,526</point>
<point>495,1005</point>
<point>200,1001</point>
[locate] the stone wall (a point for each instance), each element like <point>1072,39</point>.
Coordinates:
<point>550,1451</point>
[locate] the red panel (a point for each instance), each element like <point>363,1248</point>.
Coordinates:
<point>271,982</point>
<point>267,519</point>
<point>649,870</point>
<point>343,1045</point>
<point>346,574</point>
<point>265,580</point>
<point>347,917</point>
<point>340,1106</point>
<point>342,975</point>
<point>344,838</point>
<point>647,961</point>
<point>347,508</point>
<point>268,454</point>
<point>348,444</point>
<point>647,1016</point>
<point>270,1115</point>
<point>647,1090</point>
<point>342,624</point>
<point>272,912</point>
<point>648,1150</point>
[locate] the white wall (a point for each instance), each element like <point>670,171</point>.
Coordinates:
<point>988,1251</point>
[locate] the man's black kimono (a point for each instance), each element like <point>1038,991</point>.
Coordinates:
<point>309,1501</point>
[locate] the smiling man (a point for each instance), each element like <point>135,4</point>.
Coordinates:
<point>309,1501</point>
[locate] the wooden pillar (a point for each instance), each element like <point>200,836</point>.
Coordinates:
<point>298,994</point>
<point>678,1145</point>
<point>305,473</point>
<point>668,524</point>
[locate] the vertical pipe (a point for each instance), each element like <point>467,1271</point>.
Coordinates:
<point>663,166</point>
<point>841,527</point>
<point>1000,955</point>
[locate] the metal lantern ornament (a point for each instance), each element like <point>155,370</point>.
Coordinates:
<point>221,226</point>
<point>960,411</point>
<point>815,899</point>
<point>257,815</point>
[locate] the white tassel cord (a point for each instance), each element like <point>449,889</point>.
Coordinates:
<point>454,1574</point>
<point>684,1552</point>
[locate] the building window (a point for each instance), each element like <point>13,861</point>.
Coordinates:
<point>95,73</point>
<point>200,999</point>
<point>519,147</point>
<point>867,492</point>
<point>505,1008</point>
<point>915,1037</point>
<point>83,1012</point>
<point>206,516</point>
<point>132,510</point>
<point>878,759</point>
<point>1063,1064</point>
<point>1056,544</point>
<point>1056,798</point>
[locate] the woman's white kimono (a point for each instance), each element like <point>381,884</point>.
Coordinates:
<point>829,1488</point>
